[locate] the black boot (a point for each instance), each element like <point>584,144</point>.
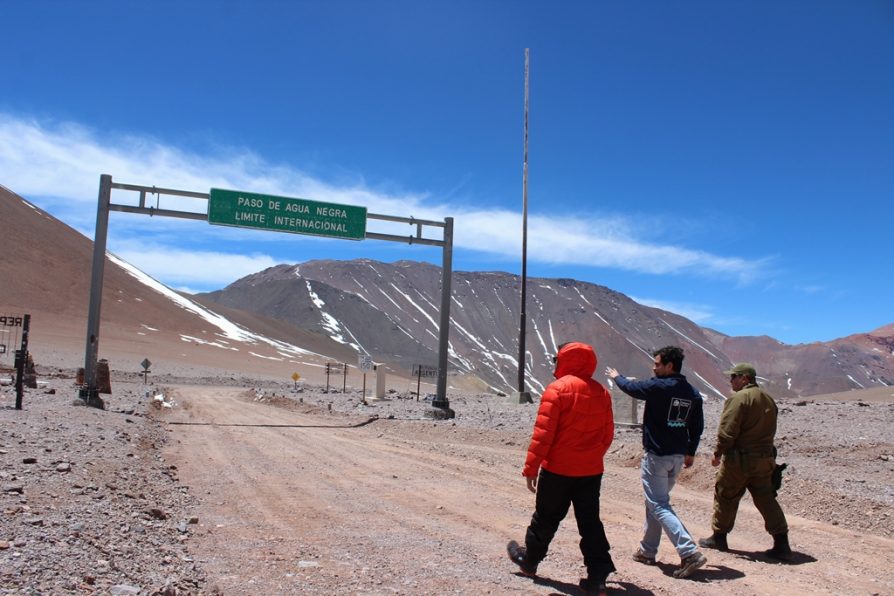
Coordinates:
<point>519,556</point>
<point>594,586</point>
<point>717,541</point>
<point>781,550</point>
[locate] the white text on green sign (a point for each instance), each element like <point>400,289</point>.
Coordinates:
<point>285,214</point>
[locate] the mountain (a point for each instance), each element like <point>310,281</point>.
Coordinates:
<point>855,362</point>
<point>391,312</point>
<point>297,317</point>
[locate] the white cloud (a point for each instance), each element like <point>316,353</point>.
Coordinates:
<point>62,163</point>
<point>198,268</point>
<point>597,242</point>
<point>66,160</point>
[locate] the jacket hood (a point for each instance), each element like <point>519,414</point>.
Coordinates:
<point>575,358</point>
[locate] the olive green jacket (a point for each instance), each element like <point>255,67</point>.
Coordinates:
<point>748,423</point>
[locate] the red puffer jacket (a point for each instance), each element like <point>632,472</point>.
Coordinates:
<point>574,426</point>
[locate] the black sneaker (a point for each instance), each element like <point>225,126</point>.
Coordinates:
<point>518,555</point>
<point>593,586</point>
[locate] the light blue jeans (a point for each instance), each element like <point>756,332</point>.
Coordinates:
<point>659,473</point>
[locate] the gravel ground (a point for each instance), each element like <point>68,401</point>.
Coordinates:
<point>90,506</point>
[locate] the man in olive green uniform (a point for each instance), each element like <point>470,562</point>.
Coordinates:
<point>745,443</point>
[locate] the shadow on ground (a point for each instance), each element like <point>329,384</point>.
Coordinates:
<point>570,589</point>
<point>706,574</point>
<point>797,558</point>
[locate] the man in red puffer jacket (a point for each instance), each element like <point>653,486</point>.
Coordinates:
<point>572,433</point>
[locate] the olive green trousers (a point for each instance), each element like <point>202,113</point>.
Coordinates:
<point>737,473</point>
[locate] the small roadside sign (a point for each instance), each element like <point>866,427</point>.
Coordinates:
<point>423,370</point>
<point>365,364</point>
<point>146,364</point>
<point>336,368</point>
<point>295,376</point>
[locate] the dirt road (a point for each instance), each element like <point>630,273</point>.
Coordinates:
<point>293,503</point>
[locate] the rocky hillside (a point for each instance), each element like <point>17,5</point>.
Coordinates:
<point>391,311</point>
<point>858,361</point>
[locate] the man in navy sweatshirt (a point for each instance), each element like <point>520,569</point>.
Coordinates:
<point>673,422</point>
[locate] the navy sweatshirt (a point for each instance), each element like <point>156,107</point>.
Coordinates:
<point>673,420</point>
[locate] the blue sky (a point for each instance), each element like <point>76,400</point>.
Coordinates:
<point>730,161</point>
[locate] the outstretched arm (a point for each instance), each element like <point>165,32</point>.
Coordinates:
<point>635,389</point>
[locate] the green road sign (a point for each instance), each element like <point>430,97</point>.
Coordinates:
<point>284,214</point>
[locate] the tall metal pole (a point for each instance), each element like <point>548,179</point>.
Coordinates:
<point>90,394</point>
<point>524,272</point>
<point>441,400</point>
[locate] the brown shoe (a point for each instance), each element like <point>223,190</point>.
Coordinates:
<point>688,565</point>
<point>640,557</point>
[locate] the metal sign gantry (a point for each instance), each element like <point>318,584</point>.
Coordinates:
<point>105,205</point>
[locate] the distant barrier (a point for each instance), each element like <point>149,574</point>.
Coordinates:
<point>626,409</point>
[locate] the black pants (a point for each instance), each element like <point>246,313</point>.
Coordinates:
<point>554,495</point>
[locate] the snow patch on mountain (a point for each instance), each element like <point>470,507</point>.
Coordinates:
<point>710,386</point>
<point>329,322</point>
<point>229,329</point>
<point>689,339</point>
<point>419,308</point>
<point>216,344</point>
<point>861,385</point>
